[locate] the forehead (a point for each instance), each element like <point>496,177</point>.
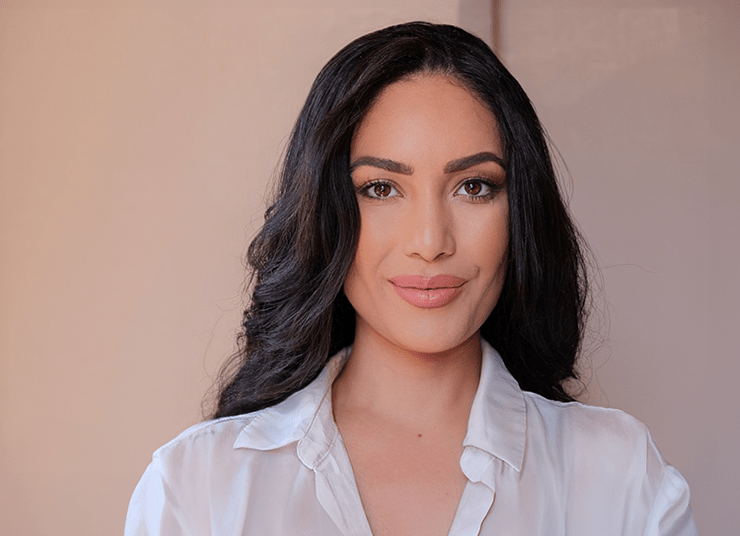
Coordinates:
<point>427,109</point>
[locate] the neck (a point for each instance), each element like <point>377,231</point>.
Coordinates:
<point>408,388</point>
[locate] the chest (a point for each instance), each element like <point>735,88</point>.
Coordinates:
<point>413,493</point>
<point>408,485</point>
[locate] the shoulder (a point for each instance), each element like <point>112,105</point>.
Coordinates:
<point>605,443</point>
<point>209,437</point>
<point>176,489</point>
<point>582,422</point>
<point>204,454</point>
<point>211,474</point>
<point>246,436</point>
<point>606,459</point>
<point>204,463</point>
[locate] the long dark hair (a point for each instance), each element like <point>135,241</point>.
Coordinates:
<point>298,316</point>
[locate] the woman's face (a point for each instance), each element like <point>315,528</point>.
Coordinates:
<point>427,166</point>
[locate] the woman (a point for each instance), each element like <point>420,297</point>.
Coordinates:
<point>418,225</point>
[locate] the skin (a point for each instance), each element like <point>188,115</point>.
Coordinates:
<point>403,400</point>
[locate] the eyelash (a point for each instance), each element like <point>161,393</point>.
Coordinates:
<point>493,189</point>
<point>365,189</point>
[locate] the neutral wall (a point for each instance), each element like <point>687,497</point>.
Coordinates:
<point>135,145</point>
<point>641,98</point>
<point>136,140</point>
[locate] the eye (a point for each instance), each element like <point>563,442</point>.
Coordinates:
<point>476,188</point>
<point>378,190</point>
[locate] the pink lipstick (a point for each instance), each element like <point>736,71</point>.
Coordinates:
<point>427,292</point>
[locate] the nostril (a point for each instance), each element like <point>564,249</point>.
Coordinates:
<point>429,234</point>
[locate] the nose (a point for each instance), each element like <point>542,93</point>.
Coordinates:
<point>428,230</point>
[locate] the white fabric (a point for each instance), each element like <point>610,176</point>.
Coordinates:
<point>534,467</point>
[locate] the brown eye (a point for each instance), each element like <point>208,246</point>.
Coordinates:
<point>382,190</point>
<point>473,188</point>
<point>378,190</point>
<point>476,189</point>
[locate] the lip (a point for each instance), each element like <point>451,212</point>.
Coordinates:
<point>428,292</point>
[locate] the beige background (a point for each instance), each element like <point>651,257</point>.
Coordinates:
<point>135,146</point>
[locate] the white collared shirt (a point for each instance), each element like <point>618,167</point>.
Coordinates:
<point>534,467</point>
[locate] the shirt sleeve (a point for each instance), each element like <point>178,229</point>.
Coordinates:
<point>671,514</point>
<point>150,512</point>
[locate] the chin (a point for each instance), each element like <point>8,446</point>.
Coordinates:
<point>435,344</point>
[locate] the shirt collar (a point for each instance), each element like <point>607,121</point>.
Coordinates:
<point>498,417</point>
<point>497,423</point>
<point>293,418</point>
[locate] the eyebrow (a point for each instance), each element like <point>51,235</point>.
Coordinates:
<point>454,166</point>
<point>382,163</point>
<point>473,160</point>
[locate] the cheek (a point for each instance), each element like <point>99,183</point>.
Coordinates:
<point>486,237</point>
<point>497,252</point>
<point>487,244</point>
<point>365,261</point>
<point>375,240</point>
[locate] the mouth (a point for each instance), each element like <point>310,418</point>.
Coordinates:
<point>427,283</point>
<point>428,292</point>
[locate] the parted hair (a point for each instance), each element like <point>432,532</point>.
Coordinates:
<point>298,315</point>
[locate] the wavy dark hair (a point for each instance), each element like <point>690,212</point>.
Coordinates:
<point>298,316</point>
